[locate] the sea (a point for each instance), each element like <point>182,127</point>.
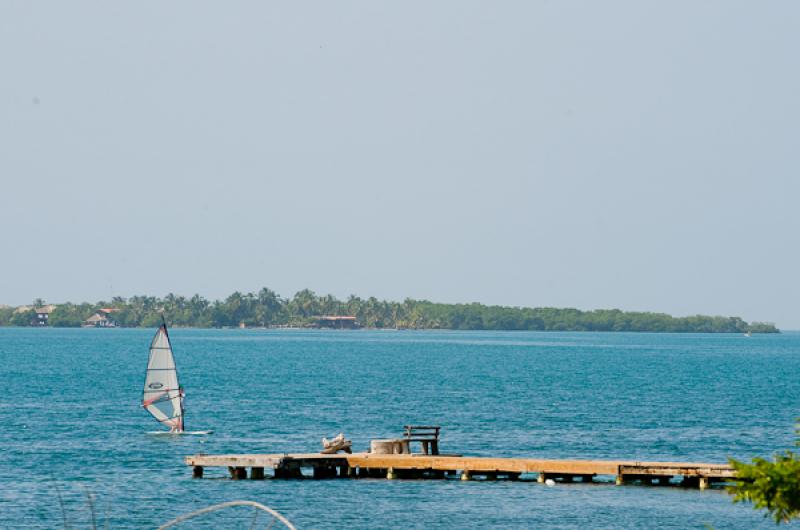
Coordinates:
<point>75,450</point>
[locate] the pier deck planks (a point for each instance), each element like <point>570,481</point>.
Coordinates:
<point>624,470</point>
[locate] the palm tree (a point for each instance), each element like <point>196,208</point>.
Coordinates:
<point>268,306</point>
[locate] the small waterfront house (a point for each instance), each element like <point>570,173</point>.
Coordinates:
<point>101,319</point>
<point>43,314</point>
<point>335,322</point>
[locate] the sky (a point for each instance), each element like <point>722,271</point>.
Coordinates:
<point>640,155</point>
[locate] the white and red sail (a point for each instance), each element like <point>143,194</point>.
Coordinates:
<point>163,396</point>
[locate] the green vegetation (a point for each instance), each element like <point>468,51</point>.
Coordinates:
<point>5,315</point>
<point>266,308</point>
<point>770,485</point>
<point>22,318</point>
<point>71,315</point>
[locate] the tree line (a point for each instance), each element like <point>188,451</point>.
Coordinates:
<point>266,308</point>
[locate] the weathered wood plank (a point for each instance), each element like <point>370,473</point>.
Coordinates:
<point>686,470</point>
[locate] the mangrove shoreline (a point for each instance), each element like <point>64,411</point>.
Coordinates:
<point>266,308</point>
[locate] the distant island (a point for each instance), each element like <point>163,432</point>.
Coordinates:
<point>307,309</point>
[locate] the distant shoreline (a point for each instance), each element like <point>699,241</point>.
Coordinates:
<point>363,329</point>
<point>266,309</point>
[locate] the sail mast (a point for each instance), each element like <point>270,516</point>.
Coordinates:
<point>181,425</point>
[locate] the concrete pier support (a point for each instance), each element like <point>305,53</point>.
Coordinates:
<point>619,480</point>
<point>321,472</point>
<point>288,471</point>
<point>390,474</point>
<point>705,483</point>
<point>466,475</point>
<point>237,473</point>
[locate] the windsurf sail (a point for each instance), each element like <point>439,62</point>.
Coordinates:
<point>163,396</point>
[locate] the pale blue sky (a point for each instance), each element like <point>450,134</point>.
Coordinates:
<point>639,155</point>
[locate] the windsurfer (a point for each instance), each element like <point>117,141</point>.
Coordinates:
<point>178,426</point>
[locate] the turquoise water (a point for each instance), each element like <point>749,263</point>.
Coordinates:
<point>71,422</point>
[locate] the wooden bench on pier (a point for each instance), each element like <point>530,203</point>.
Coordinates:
<point>426,435</point>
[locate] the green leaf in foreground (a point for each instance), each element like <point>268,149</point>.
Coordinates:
<point>772,485</point>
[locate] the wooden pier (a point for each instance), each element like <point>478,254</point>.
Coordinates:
<point>428,466</point>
